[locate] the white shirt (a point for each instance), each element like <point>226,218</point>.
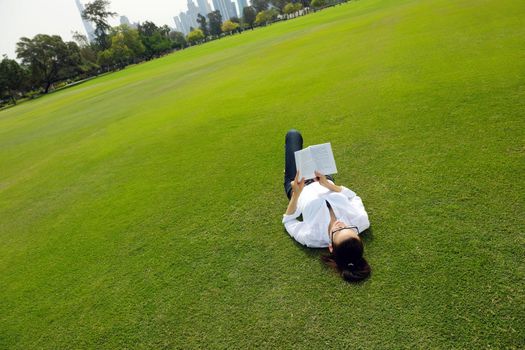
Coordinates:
<point>313,230</point>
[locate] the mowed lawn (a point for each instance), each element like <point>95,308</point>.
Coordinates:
<point>143,209</point>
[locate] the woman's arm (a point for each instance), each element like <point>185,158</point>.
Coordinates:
<point>323,181</point>
<point>299,230</point>
<point>297,188</point>
<point>292,206</point>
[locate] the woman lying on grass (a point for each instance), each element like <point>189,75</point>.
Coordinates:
<point>333,216</point>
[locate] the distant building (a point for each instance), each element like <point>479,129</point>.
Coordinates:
<point>204,7</point>
<point>188,19</point>
<point>226,8</point>
<point>125,20</point>
<point>242,4</point>
<point>178,24</point>
<point>88,27</point>
<point>185,21</point>
<point>192,12</point>
<point>233,10</point>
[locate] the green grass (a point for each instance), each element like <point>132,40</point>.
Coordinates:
<point>142,209</point>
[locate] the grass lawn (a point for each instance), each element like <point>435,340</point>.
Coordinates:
<point>143,209</point>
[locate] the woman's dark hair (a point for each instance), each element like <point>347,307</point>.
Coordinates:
<point>347,258</point>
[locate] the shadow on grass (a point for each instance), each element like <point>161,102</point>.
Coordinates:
<point>367,236</point>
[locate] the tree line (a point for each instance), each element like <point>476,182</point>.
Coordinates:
<point>47,61</point>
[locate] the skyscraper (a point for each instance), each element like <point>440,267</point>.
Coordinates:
<point>185,22</point>
<point>87,25</point>
<point>125,20</point>
<point>242,4</point>
<point>193,11</point>
<point>233,9</point>
<point>188,19</point>
<point>204,7</point>
<point>178,24</point>
<point>224,7</point>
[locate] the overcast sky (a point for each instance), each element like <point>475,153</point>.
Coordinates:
<point>27,18</point>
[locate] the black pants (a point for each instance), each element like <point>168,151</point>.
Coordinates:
<point>293,142</point>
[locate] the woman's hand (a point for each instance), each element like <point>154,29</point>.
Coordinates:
<point>323,181</point>
<point>297,185</point>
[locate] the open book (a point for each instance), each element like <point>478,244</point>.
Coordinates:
<point>316,157</point>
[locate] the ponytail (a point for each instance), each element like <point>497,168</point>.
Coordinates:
<point>356,272</point>
<point>347,258</point>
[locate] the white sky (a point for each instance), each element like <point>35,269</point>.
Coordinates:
<point>27,18</point>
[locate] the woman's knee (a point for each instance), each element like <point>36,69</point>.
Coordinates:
<point>293,134</point>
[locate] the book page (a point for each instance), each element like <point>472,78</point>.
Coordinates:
<point>305,163</point>
<point>324,158</point>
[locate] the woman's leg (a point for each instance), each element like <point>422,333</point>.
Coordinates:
<point>293,142</point>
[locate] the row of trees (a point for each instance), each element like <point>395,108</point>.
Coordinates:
<point>46,60</point>
<point>260,13</point>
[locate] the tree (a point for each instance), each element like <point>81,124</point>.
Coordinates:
<point>125,48</point>
<point>161,44</point>
<point>261,18</point>
<point>238,21</point>
<point>147,28</point>
<point>13,79</point>
<point>260,5</point>
<point>98,13</point>
<point>248,14</point>
<point>165,31</point>
<point>229,26</point>
<point>80,39</point>
<point>129,37</point>
<point>48,58</point>
<point>106,59</point>
<point>291,7</point>
<point>318,3</point>
<point>195,36</point>
<point>203,26</point>
<point>279,4</point>
<point>178,41</point>
<point>272,14</point>
<point>305,3</point>
<point>88,54</point>
<point>215,21</point>
<point>154,40</point>
<point>118,55</point>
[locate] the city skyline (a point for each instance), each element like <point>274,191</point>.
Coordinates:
<point>61,17</point>
<point>187,19</point>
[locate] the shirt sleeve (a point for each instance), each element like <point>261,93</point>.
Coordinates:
<point>347,192</point>
<point>302,232</point>
<point>359,214</point>
<point>356,210</point>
